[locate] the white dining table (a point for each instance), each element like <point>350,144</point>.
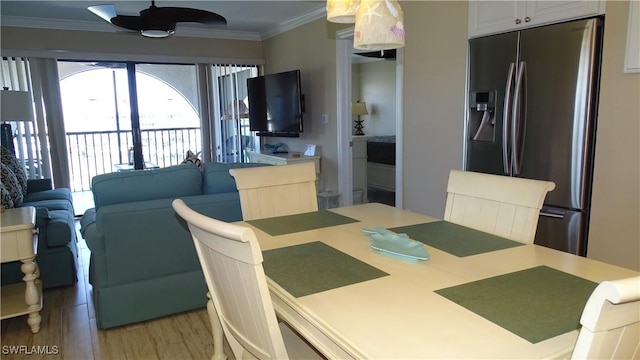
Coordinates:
<point>399,316</point>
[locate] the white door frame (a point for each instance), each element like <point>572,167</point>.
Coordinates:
<point>344,48</point>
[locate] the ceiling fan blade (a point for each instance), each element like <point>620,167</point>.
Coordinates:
<point>106,11</point>
<point>179,14</point>
<point>128,22</point>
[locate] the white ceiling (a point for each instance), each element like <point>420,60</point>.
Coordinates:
<point>248,20</point>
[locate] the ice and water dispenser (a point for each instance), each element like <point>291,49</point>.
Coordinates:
<point>482,115</point>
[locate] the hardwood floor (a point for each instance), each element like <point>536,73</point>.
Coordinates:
<point>68,330</point>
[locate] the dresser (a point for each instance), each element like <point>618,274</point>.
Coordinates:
<point>284,159</point>
<point>359,164</point>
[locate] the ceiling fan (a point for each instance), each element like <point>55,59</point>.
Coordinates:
<point>156,22</point>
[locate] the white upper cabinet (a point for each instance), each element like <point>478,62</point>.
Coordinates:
<point>491,17</point>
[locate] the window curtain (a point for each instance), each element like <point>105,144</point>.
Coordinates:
<point>40,145</point>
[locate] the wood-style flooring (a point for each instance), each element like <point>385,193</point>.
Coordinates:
<point>69,331</point>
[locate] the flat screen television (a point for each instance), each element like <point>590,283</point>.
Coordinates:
<point>275,104</point>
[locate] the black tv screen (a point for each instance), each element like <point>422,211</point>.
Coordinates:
<point>275,104</point>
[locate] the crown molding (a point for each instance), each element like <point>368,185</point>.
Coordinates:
<point>76,25</point>
<point>313,15</point>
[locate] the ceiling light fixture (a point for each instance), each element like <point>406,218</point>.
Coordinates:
<point>342,11</point>
<point>379,25</point>
<point>157,33</point>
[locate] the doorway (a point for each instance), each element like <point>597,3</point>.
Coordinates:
<point>344,49</point>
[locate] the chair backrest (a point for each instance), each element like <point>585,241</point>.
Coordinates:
<point>231,260</point>
<point>276,190</point>
<point>500,205</point>
<point>611,322</point>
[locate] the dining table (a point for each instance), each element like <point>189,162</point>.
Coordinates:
<point>474,296</point>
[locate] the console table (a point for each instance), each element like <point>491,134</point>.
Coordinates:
<point>19,242</point>
<point>130,167</point>
<point>283,159</point>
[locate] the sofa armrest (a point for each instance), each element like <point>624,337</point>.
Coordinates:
<point>37,185</point>
<point>88,218</point>
<point>55,228</point>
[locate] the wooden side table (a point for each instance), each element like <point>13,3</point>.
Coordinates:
<point>19,242</point>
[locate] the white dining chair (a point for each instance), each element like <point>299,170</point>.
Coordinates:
<point>500,205</point>
<point>276,190</point>
<point>611,322</point>
<point>239,298</point>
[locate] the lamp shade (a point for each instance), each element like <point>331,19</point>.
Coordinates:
<point>236,109</point>
<point>342,11</point>
<point>379,25</point>
<point>16,106</point>
<point>359,108</point>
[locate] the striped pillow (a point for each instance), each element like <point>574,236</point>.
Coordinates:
<point>192,158</point>
<point>11,184</point>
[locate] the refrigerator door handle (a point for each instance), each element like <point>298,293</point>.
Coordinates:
<point>506,121</point>
<point>519,122</point>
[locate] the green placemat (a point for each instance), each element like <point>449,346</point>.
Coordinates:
<point>281,225</point>
<point>535,304</point>
<point>455,239</point>
<point>314,267</point>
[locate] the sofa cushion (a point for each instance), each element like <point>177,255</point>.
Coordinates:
<point>217,180</point>
<point>132,186</point>
<point>12,185</point>
<point>52,205</point>
<point>8,159</point>
<point>54,194</point>
<point>59,228</point>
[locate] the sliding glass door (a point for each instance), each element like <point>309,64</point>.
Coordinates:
<point>169,112</point>
<point>122,116</point>
<point>233,138</point>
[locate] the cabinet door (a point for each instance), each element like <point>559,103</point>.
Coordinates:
<point>540,12</point>
<point>490,17</point>
<point>493,17</point>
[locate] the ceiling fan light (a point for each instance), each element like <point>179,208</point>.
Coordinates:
<point>157,33</point>
<point>342,11</point>
<point>379,25</point>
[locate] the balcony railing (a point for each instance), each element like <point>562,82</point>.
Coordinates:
<point>94,153</point>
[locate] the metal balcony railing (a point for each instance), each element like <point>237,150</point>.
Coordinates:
<point>94,153</point>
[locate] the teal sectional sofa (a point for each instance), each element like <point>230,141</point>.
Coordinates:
<point>57,251</point>
<point>143,262</point>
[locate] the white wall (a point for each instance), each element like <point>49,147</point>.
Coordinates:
<point>433,100</point>
<point>614,234</point>
<point>377,87</point>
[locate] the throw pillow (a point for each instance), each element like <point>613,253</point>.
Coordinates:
<point>192,158</point>
<point>11,184</point>
<point>6,201</point>
<point>7,158</point>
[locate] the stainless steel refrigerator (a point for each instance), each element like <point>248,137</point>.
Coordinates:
<point>532,108</point>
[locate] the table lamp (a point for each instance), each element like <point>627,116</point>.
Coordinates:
<point>359,108</point>
<point>15,106</point>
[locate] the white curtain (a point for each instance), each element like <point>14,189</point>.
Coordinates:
<point>42,144</point>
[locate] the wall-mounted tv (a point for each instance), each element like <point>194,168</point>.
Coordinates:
<point>276,104</point>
